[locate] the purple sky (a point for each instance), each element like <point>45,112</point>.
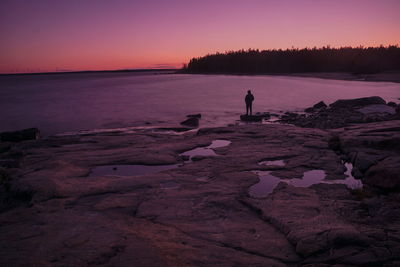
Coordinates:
<point>51,35</point>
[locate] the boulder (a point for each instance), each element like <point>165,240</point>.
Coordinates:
<point>358,102</point>
<point>194,116</point>
<point>18,136</point>
<point>363,160</point>
<point>342,113</point>
<point>245,117</point>
<point>316,107</point>
<point>392,104</point>
<point>377,109</point>
<point>385,174</point>
<point>320,104</point>
<point>191,122</point>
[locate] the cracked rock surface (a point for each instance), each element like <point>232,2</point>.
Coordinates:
<point>54,214</point>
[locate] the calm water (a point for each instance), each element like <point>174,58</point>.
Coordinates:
<point>70,102</point>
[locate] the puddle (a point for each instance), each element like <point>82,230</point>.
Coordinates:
<point>203,179</point>
<point>265,186</point>
<point>169,185</point>
<point>200,151</point>
<point>350,181</point>
<point>129,170</point>
<point>272,162</point>
<point>309,178</point>
<point>219,143</point>
<point>272,119</point>
<point>268,182</point>
<point>206,151</point>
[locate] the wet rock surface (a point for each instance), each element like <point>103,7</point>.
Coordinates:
<point>201,213</point>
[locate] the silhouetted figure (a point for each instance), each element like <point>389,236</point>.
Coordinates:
<point>249,102</point>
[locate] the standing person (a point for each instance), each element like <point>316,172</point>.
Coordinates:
<point>249,102</point>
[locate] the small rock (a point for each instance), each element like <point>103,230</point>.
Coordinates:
<point>320,104</point>
<point>192,122</point>
<point>251,117</point>
<point>194,116</point>
<point>316,107</point>
<point>185,157</point>
<point>18,136</point>
<point>198,158</point>
<point>392,104</point>
<point>9,163</point>
<point>358,102</point>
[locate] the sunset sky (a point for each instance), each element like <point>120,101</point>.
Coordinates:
<point>56,35</point>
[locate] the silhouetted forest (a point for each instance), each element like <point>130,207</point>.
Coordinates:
<point>326,59</point>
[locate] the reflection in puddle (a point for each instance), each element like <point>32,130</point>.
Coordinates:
<point>350,181</point>
<point>206,151</point>
<point>203,179</point>
<point>309,178</point>
<point>200,151</point>
<point>169,185</point>
<point>273,119</point>
<point>272,162</point>
<point>265,186</point>
<point>129,170</point>
<point>268,182</point>
<point>219,143</point>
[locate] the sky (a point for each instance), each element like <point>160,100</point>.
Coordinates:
<point>74,35</point>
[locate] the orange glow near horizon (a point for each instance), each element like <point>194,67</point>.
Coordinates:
<point>41,36</point>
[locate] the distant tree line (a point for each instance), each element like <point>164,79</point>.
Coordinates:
<point>326,59</point>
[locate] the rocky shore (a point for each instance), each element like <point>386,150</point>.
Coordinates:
<point>58,210</point>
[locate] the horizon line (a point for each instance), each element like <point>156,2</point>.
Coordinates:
<point>89,71</point>
<point>327,46</point>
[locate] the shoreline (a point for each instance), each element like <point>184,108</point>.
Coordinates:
<point>341,76</point>
<point>392,76</point>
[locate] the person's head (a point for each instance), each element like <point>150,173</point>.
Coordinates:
<point>249,92</point>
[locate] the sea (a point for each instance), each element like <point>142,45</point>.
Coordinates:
<point>65,103</point>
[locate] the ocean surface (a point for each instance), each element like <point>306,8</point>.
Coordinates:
<point>60,103</point>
